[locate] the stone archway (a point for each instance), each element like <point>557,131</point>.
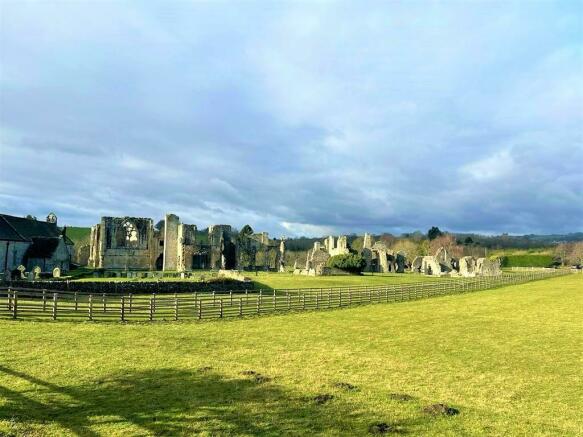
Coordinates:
<point>160,262</point>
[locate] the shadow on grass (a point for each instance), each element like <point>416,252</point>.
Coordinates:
<point>171,402</point>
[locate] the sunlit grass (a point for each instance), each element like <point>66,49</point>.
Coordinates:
<point>509,359</point>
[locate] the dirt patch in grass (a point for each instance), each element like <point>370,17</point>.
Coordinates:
<point>381,428</point>
<point>204,369</point>
<point>323,398</point>
<point>345,386</point>
<point>440,410</point>
<point>401,397</point>
<point>260,379</point>
<point>257,377</point>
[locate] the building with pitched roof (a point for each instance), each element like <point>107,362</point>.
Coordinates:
<point>31,243</point>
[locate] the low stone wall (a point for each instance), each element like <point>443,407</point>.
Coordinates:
<point>126,287</point>
<point>322,271</point>
<point>235,275</point>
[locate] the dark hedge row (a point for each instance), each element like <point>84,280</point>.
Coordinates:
<point>527,260</point>
<point>146,287</point>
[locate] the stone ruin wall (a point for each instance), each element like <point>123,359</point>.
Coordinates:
<point>186,247</point>
<point>120,243</point>
<point>171,223</point>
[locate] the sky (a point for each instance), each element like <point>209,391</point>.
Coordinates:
<point>298,118</point>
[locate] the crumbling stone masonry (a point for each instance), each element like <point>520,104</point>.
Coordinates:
<point>379,258</point>
<point>444,264</point>
<point>133,243</point>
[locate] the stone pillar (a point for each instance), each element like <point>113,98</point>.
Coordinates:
<point>102,244</point>
<point>330,244</point>
<point>170,242</point>
<point>367,243</point>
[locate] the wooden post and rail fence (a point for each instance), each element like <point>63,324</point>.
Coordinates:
<point>34,304</point>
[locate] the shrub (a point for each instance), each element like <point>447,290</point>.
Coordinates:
<point>351,262</point>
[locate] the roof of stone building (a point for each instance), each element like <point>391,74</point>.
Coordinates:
<point>27,229</point>
<point>42,247</point>
<point>7,232</point>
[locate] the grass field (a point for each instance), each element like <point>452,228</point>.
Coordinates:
<point>288,280</point>
<point>508,359</point>
<point>79,235</point>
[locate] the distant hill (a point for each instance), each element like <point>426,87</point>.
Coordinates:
<point>79,235</point>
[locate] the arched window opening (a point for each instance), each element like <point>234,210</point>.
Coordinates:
<point>131,234</point>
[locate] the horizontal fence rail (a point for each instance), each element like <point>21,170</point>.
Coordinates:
<point>23,303</point>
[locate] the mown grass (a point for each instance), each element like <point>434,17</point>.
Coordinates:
<point>287,280</point>
<point>509,359</point>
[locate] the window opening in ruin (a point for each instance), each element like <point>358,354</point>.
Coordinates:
<point>131,234</point>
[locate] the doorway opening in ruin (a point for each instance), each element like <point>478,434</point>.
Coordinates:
<point>160,262</point>
<point>230,254</point>
<point>200,261</point>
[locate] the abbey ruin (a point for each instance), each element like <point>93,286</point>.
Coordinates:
<point>442,263</point>
<point>32,247</point>
<point>380,258</point>
<point>134,243</point>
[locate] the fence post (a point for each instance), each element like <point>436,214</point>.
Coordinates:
<point>104,304</point>
<point>200,309</point>
<point>122,308</point>
<point>55,306</point>
<point>221,300</point>
<point>303,301</point>
<point>240,307</point>
<point>44,300</point>
<point>231,297</point>
<point>90,307</point>
<point>15,305</point>
<point>151,312</point>
<point>76,302</point>
<point>274,301</point>
<point>259,302</point>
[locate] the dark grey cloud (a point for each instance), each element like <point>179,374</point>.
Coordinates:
<point>295,118</point>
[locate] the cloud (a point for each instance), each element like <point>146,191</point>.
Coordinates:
<point>306,229</point>
<point>491,168</point>
<point>295,117</point>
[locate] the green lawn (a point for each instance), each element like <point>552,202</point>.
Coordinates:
<point>509,359</point>
<point>288,280</point>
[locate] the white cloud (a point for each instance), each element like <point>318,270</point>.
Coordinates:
<point>497,166</point>
<point>306,229</point>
